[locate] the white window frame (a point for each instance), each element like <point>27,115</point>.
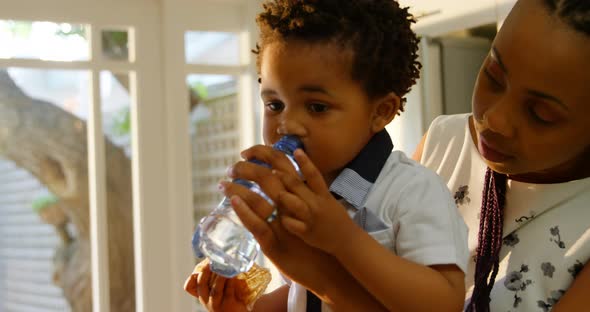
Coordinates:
<point>162,192</point>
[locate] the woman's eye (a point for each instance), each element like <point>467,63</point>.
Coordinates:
<point>541,115</point>
<point>495,83</point>
<point>536,117</point>
<point>275,106</point>
<point>318,107</point>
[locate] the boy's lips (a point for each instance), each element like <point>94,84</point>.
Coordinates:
<point>490,151</point>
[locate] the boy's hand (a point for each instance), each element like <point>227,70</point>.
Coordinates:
<point>309,209</point>
<point>293,257</point>
<point>216,292</point>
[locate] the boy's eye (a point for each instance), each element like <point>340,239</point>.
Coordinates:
<point>275,106</point>
<point>317,107</point>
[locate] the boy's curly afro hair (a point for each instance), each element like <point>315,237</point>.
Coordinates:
<point>377,31</point>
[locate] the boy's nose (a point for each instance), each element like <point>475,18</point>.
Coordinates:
<point>291,127</point>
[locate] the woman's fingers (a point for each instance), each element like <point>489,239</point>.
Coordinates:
<point>217,292</point>
<point>230,288</point>
<point>203,285</point>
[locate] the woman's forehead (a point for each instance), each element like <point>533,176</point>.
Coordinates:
<point>542,53</point>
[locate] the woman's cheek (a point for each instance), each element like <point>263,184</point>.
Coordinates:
<point>477,102</point>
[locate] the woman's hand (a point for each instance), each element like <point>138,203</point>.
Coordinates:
<point>217,293</point>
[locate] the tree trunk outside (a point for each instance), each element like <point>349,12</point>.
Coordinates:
<point>51,144</point>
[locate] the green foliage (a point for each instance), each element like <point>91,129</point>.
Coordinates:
<point>115,37</point>
<point>72,30</point>
<point>200,89</point>
<point>122,122</point>
<point>43,202</point>
<point>18,28</point>
<point>115,44</point>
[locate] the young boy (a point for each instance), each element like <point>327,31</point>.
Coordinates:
<point>385,234</point>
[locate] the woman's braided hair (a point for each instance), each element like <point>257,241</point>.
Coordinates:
<point>489,240</point>
<point>378,32</point>
<point>576,14</point>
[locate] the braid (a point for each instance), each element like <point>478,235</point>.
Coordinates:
<point>489,240</point>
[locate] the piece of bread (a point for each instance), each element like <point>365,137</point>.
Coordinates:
<point>256,280</point>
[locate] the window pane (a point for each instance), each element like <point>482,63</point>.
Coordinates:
<point>116,119</point>
<point>116,108</point>
<point>44,247</point>
<point>212,48</point>
<point>43,40</point>
<point>115,44</point>
<point>214,136</point>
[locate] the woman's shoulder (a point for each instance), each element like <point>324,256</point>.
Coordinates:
<point>448,125</point>
<point>447,140</point>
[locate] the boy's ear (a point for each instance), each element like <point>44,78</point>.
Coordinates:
<point>384,111</point>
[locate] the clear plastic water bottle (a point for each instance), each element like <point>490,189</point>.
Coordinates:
<point>221,236</point>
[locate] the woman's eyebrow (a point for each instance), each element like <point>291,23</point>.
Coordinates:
<point>496,56</point>
<point>547,97</point>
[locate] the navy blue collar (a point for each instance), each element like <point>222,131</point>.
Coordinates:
<point>355,181</point>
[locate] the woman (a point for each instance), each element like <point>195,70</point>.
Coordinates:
<point>519,165</point>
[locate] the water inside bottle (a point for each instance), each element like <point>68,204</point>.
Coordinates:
<point>221,237</point>
<point>230,247</point>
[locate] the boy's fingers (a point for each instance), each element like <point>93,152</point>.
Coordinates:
<point>256,173</point>
<point>253,201</point>
<point>311,174</point>
<point>294,185</point>
<point>269,155</point>
<point>254,223</point>
<point>292,205</point>
<point>294,226</point>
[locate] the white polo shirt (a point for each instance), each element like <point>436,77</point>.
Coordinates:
<point>408,209</point>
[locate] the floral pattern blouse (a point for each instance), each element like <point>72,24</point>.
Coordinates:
<point>546,240</point>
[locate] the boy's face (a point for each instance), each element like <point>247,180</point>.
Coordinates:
<point>307,90</point>
<point>531,103</point>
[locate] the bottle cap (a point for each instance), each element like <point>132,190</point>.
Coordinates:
<point>288,144</point>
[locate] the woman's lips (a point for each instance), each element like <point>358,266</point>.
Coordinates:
<point>490,153</point>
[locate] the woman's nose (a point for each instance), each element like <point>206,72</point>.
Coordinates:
<point>499,117</point>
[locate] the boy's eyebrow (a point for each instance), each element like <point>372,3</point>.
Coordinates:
<point>314,89</point>
<point>267,92</point>
<point>496,56</point>
<point>303,88</point>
